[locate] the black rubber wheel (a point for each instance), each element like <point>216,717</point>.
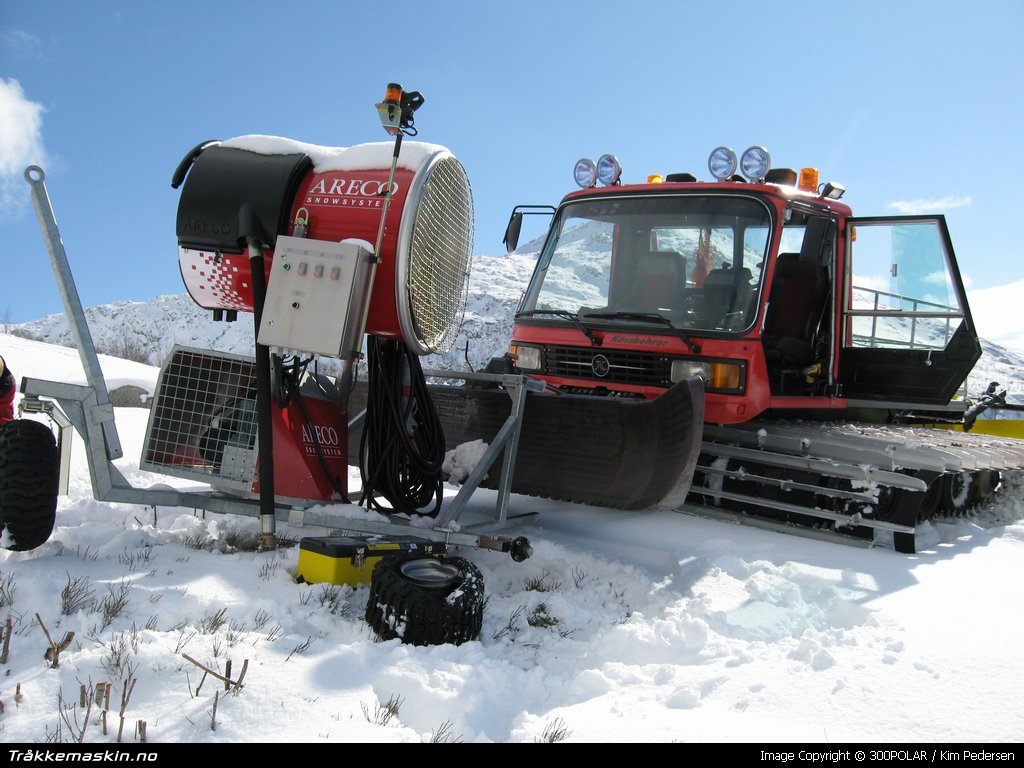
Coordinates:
<point>29,479</point>
<point>425,600</point>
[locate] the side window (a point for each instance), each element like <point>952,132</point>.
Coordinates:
<point>902,293</point>
<point>811,237</point>
<point>755,245</point>
<point>792,239</point>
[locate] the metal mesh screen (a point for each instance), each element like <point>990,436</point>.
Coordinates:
<point>203,423</point>
<point>441,255</point>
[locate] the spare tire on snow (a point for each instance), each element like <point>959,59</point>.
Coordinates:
<point>425,600</point>
<point>29,480</point>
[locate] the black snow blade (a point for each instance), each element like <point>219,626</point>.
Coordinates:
<point>610,452</point>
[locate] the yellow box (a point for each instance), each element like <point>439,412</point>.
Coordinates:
<point>350,559</point>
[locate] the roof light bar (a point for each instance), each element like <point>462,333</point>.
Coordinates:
<point>722,163</point>
<point>608,170</point>
<point>832,190</point>
<point>755,162</point>
<point>585,172</point>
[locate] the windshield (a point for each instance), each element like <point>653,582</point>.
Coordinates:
<point>696,260</point>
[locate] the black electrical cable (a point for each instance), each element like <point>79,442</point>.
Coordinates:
<point>403,446</point>
<point>287,376</point>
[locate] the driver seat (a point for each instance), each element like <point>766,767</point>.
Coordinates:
<point>658,283</point>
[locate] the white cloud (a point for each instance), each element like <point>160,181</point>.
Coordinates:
<point>930,206</point>
<point>20,44</point>
<point>21,144</point>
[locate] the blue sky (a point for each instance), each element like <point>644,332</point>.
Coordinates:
<point>913,106</point>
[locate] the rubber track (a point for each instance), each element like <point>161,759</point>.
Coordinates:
<point>804,473</point>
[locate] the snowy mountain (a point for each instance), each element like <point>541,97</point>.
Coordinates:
<point>146,331</point>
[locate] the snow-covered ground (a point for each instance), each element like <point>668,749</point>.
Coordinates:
<point>622,627</point>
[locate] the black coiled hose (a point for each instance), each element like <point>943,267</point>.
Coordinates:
<point>402,446</point>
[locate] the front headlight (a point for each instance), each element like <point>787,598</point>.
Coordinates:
<point>687,369</point>
<point>526,358</point>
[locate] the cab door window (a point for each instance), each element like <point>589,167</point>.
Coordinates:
<point>902,291</point>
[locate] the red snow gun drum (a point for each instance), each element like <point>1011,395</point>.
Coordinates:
<point>262,188</point>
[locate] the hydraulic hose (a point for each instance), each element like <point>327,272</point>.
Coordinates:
<point>403,445</point>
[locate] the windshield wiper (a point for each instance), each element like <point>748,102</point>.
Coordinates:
<point>656,317</point>
<point>594,338</point>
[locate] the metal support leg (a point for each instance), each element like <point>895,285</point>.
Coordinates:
<point>506,440</point>
<point>73,306</point>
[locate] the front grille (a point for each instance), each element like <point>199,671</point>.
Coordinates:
<point>623,366</point>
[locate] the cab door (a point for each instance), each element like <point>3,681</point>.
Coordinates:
<point>907,336</point>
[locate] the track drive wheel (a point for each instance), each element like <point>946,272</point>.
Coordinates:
<point>986,481</point>
<point>425,600</point>
<point>29,480</point>
<point>957,493</point>
<point>932,502</point>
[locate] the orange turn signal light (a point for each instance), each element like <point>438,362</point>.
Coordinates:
<point>725,376</point>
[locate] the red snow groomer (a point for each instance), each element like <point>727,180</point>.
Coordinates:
<point>823,342</point>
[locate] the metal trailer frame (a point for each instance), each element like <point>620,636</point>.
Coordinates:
<point>88,410</point>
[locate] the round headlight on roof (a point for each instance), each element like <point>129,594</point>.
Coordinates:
<point>608,169</point>
<point>755,162</point>
<point>585,172</point>
<point>722,163</point>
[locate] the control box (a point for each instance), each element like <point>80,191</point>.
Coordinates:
<point>317,296</point>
